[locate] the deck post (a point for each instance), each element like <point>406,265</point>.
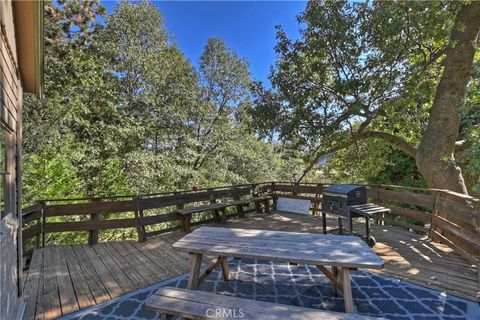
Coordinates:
<point>381,221</point>
<point>213,201</point>
<point>239,207</point>
<point>42,223</point>
<point>316,203</point>
<point>93,234</point>
<point>295,188</point>
<point>185,219</point>
<point>436,212</point>
<point>258,206</point>
<point>139,216</point>
<point>274,195</point>
<point>266,203</point>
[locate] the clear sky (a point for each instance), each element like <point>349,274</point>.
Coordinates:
<point>246,26</point>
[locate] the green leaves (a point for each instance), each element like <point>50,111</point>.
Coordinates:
<point>125,112</point>
<point>357,67</point>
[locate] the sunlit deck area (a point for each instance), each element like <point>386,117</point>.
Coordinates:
<point>63,279</point>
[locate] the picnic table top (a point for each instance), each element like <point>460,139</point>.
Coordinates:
<point>297,247</point>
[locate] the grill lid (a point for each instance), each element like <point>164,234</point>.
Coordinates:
<point>340,189</point>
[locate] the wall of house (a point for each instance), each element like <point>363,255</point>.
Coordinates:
<point>10,107</point>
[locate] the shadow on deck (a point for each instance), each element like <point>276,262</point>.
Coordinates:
<point>63,279</point>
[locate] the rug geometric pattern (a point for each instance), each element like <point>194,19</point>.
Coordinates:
<point>305,286</point>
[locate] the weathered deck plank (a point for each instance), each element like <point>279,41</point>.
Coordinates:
<point>32,283</point>
<point>82,291</point>
<point>94,283</point>
<point>66,292</point>
<point>58,281</point>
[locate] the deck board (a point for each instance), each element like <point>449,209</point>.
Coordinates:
<point>99,293</point>
<point>63,279</point>
<point>68,300</point>
<point>82,291</point>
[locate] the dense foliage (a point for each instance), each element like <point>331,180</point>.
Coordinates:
<point>364,70</point>
<point>125,112</point>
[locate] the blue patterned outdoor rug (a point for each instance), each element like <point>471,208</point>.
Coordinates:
<point>304,286</point>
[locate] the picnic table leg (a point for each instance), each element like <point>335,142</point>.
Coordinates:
<point>225,268</point>
<point>332,276</point>
<point>196,262</point>
<point>350,222</point>
<point>347,291</point>
<point>334,287</point>
<point>367,228</point>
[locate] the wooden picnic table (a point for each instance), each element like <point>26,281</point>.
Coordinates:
<point>341,253</point>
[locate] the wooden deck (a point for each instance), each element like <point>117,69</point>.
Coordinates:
<point>63,279</point>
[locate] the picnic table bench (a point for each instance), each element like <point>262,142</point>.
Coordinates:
<point>187,213</point>
<point>206,305</point>
<point>341,253</point>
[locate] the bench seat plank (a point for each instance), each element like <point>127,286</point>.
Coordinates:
<point>219,206</point>
<point>199,305</point>
<point>188,211</point>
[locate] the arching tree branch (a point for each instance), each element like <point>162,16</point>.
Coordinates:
<point>394,141</point>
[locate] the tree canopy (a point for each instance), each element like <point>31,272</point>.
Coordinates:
<point>125,112</point>
<point>389,90</point>
<point>393,71</point>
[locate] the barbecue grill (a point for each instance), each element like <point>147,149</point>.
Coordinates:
<point>348,201</point>
<point>338,197</point>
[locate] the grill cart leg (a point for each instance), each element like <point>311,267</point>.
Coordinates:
<point>371,241</point>
<point>367,227</point>
<point>350,222</point>
<point>324,222</point>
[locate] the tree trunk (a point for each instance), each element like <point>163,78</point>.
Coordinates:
<point>435,158</point>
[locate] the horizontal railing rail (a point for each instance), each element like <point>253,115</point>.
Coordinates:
<point>445,216</point>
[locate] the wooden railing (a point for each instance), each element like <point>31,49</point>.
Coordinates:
<point>445,216</point>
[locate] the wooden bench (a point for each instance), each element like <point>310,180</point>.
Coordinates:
<point>186,213</point>
<point>206,305</point>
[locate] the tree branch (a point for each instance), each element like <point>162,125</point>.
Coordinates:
<point>394,141</point>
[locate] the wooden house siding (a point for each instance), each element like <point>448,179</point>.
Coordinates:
<point>10,114</point>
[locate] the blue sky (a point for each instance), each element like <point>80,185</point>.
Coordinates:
<point>246,26</point>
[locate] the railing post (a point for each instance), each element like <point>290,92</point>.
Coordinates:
<point>433,227</point>
<point>274,195</point>
<point>42,222</point>
<point>38,220</point>
<point>381,190</point>
<point>139,215</point>
<point>240,212</point>
<point>258,206</point>
<point>185,219</point>
<point>295,189</point>
<point>93,234</point>
<point>316,204</point>
<point>213,201</point>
